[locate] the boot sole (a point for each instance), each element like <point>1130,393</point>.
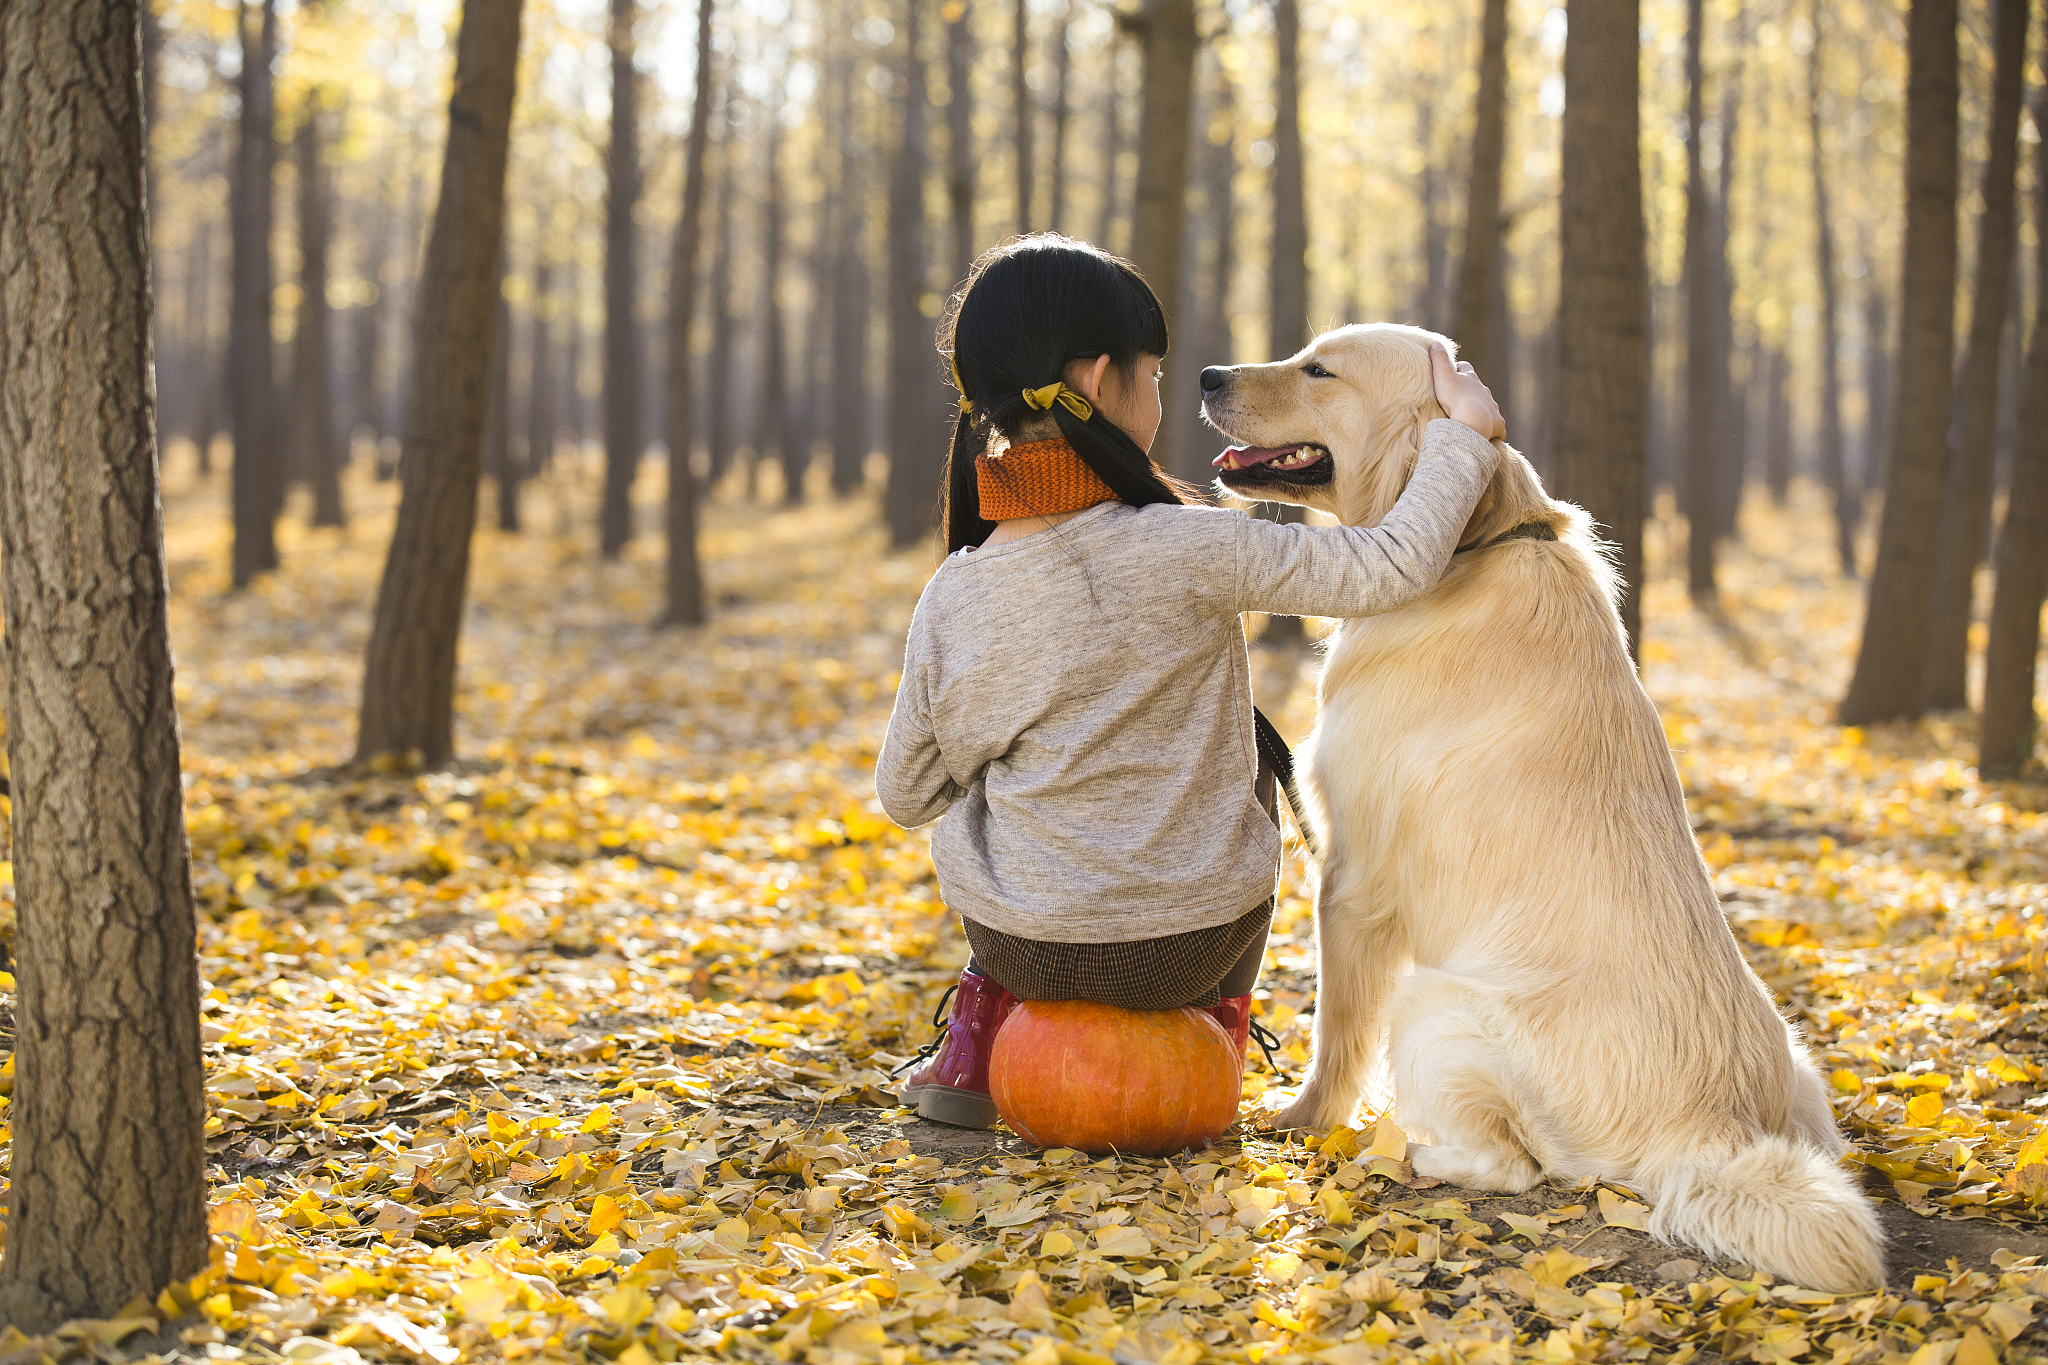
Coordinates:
<point>959,1108</point>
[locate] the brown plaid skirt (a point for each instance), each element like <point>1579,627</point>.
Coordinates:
<point>1196,968</point>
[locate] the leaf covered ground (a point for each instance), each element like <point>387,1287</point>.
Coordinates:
<point>581,1049</point>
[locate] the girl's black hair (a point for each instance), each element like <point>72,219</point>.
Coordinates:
<point>1029,307</point>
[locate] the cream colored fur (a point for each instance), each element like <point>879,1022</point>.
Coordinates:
<point>1515,925</point>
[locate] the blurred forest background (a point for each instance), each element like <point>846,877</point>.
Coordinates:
<point>1289,166</point>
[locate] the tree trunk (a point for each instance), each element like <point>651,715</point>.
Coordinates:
<point>498,424</point>
<point>369,327</point>
<point>718,367</point>
<point>851,300</point>
<point>540,375</point>
<point>312,398</point>
<point>684,579</point>
<point>1436,244</point>
<point>1733,464</point>
<point>256,471</point>
<point>1159,217</point>
<point>409,676</point>
<point>1287,328</point>
<point>205,374</point>
<point>771,416</point>
<point>1063,63</point>
<point>1112,143</point>
<point>1020,66</point>
<point>1833,464</point>
<point>1890,682</point>
<point>1185,444</point>
<point>916,439</point>
<point>1877,388</point>
<point>1774,373</point>
<point>1479,275</point>
<point>1966,506</point>
<point>2006,748</point>
<point>958,18</point>
<point>107,1192</point>
<point>1601,435</point>
<point>1703,416</point>
<point>622,443</point>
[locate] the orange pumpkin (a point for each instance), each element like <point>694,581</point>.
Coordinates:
<point>1072,1073</point>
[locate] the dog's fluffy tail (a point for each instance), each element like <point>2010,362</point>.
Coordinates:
<point>1777,1205</point>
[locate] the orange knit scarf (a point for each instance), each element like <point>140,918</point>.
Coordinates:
<point>1042,479</point>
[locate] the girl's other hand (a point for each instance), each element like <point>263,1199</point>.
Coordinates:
<point>1464,398</point>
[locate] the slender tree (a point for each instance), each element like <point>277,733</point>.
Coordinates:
<point>1112,139</point>
<point>1287,321</point>
<point>1728,401</point>
<point>851,300</point>
<point>1063,65</point>
<point>1601,437</point>
<point>1020,70</point>
<point>1480,321</point>
<point>1704,414</point>
<point>1159,214</point>
<point>540,375</point>
<point>256,469</point>
<point>914,424</point>
<point>1833,464</point>
<point>771,414</point>
<point>409,675</point>
<point>1966,505</point>
<point>622,398</point>
<point>312,361</point>
<point>2020,562</point>
<point>499,461</point>
<point>368,324</point>
<point>683,603</point>
<point>1890,682</point>
<point>958,18</point>
<point>725,328</point>
<point>106,1199</point>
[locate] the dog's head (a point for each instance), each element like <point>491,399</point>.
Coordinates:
<point>1338,427</point>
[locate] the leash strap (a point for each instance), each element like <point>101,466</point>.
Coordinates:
<point>1273,751</point>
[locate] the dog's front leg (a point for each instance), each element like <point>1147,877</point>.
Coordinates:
<point>1357,950</point>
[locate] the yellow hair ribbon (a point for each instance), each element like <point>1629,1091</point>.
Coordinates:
<point>1043,399</point>
<point>966,403</point>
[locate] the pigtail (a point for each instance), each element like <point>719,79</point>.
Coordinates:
<point>965,525</point>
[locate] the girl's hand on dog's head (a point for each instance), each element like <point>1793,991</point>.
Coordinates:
<point>1464,398</point>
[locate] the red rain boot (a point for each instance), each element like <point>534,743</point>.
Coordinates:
<point>952,1087</point>
<point>1234,1012</point>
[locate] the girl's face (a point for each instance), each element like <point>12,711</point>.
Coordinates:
<point>1131,401</point>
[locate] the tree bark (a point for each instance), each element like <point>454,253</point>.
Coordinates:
<point>1833,464</point>
<point>1287,327</point>
<point>1732,462</point>
<point>851,300</point>
<point>771,414</point>
<point>958,17</point>
<point>1112,143</point>
<point>718,366</point>
<point>205,372</point>
<point>1159,216</point>
<point>256,467</point>
<point>1890,682</point>
<point>622,441</point>
<point>1601,437</point>
<point>2010,724</point>
<point>498,460</point>
<point>1020,66</point>
<point>683,603</point>
<point>1479,275</point>
<point>916,436</point>
<point>409,675</point>
<point>540,375</point>
<point>312,395</point>
<point>1703,417</point>
<point>107,1196</point>
<point>1063,64</point>
<point>1966,505</point>
<point>369,327</point>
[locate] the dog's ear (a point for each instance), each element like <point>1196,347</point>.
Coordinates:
<point>1392,448</point>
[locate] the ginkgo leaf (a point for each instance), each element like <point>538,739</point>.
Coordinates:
<point>1622,1213</point>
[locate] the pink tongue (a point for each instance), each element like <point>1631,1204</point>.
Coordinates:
<point>1248,455</point>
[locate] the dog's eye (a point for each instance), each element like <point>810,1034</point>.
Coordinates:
<point>1315,371</point>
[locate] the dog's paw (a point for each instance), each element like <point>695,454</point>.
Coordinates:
<point>1311,1111</point>
<point>1496,1172</point>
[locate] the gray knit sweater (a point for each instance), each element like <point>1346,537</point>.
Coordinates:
<point>1077,704</point>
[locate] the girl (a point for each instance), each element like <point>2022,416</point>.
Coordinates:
<point>1076,699</point>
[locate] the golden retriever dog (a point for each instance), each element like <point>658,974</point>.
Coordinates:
<point>1515,927</point>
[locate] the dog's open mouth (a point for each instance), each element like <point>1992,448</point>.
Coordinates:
<point>1247,467</point>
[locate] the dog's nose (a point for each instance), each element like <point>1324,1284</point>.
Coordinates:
<point>1214,378</point>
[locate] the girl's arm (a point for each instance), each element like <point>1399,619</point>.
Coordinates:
<point>911,777</point>
<point>1294,570</point>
